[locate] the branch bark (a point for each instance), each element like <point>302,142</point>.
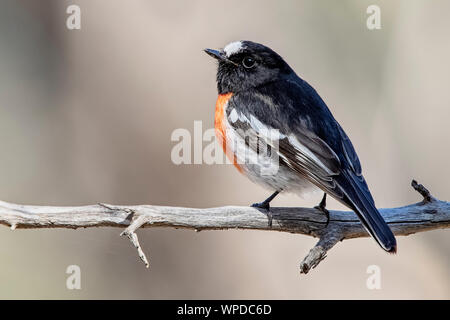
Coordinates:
<point>428,214</point>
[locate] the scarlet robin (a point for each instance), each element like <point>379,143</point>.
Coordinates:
<point>259,93</point>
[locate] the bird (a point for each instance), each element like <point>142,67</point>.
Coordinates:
<point>278,131</point>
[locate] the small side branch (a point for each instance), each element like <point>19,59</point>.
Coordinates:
<point>427,197</point>
<point>319,251</point>
<point>426,215</point>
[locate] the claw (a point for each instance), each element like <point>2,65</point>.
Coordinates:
<point>261,205</point>
<point>322,207</point>
<point>266,207</point>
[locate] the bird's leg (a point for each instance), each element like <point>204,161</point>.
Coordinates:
<point>322,208</point>
<point>266,206</point>
<point>266,203</point>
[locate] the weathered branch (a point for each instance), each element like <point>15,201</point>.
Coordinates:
<point>426,215</point>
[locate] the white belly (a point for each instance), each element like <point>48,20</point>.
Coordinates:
<point>265,169</point>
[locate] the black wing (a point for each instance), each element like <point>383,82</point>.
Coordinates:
<point>311,143</point>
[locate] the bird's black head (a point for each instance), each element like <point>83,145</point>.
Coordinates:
<point>245,64</point>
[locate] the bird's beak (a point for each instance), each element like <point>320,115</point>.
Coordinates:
<point>219,55</point>
<point>215,54</point>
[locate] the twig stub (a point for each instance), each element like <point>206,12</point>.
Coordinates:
<point>427,197</point>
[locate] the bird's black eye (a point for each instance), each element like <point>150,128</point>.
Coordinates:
<point>248,62</point>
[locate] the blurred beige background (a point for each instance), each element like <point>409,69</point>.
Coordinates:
<point>86,116</point>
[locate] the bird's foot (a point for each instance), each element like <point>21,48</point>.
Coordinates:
<point>261,205</point>
<point>265,206</point>
<point>322,207</point>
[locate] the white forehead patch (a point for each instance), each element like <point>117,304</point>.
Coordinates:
<point>232,48</point>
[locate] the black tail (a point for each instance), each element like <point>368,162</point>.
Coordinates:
<point>358,198</point>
